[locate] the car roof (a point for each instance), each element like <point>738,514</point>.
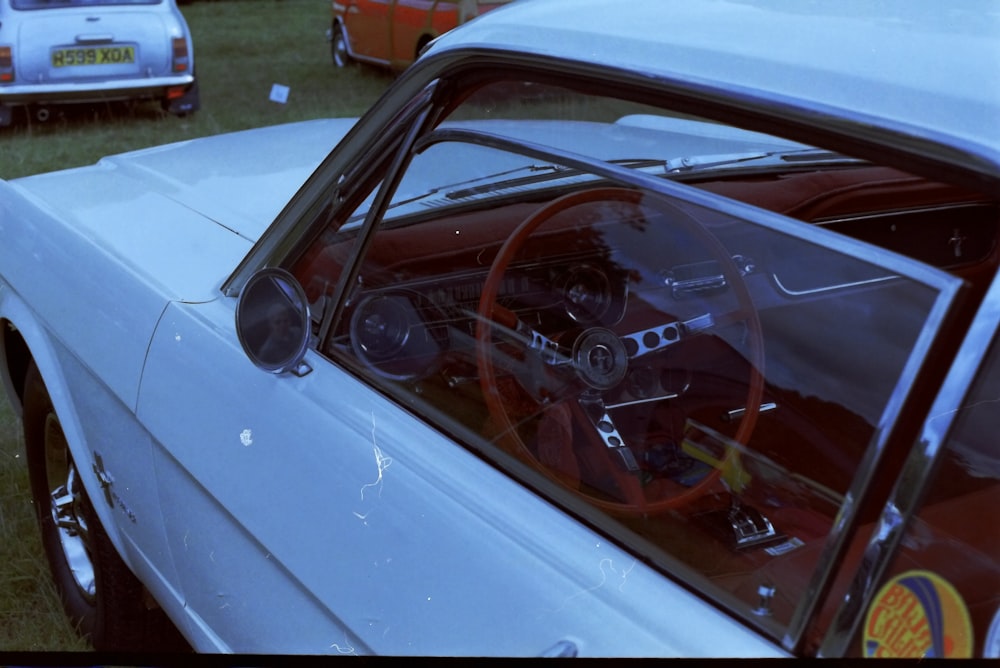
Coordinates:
<point>918,68</point>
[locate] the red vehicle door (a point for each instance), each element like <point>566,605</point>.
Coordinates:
<point>368,29</point>
<point>411,25</point>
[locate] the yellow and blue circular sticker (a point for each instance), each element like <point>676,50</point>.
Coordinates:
<point>918,614</point>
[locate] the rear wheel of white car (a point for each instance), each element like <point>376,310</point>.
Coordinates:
<point>102,597</point>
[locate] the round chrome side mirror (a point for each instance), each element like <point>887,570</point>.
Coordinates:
<point>272,320</point>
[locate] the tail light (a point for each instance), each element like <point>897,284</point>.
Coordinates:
<point>6,65</point>
<point>181,59</point>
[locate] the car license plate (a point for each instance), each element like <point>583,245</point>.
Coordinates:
<point>93,55</point>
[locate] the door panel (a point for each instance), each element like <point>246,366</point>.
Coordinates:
<point>368,27</point>
<point>313,515</point>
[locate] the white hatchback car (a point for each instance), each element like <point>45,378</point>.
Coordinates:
<point>68,51</point>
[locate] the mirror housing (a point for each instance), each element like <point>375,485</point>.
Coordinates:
<point>272,320</point>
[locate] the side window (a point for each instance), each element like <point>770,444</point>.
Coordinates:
<point>320,268</point>
<point>941,594</point>
<point>705,379</point>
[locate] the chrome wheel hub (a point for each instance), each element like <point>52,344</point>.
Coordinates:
<point>67,498</point>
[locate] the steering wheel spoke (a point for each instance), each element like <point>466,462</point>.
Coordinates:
<point>535,342</point>
<point>593,407</point>
<point>651,340</point>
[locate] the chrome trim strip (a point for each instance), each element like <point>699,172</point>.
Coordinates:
<point>636,402</point>
<point>903,212</point>
<point>788,292</point>
<point>738,413</point>
<point>137,83</point>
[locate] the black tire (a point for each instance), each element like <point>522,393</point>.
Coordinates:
<point>338,47</point>
<point>104,600</point>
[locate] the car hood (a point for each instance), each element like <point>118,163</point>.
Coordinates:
<point>239,180</point>
<point>185,214</point>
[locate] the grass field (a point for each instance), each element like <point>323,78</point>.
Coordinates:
<point>242,48</point>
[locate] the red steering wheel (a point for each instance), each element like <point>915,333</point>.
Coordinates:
<point>596,360</point>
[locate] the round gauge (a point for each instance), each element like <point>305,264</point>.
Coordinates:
<point>389,335</point>
<point>380,327</point>
<point>586,293</point>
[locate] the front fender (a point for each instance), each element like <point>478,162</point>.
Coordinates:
<point>94,422</point>
<point>20,321</point>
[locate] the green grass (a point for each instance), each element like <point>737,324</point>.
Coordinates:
<point>242,48</point>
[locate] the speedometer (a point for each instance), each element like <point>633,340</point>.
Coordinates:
<point>586,292</point>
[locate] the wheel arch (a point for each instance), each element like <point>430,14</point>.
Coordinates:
<point>14,360</point>
<point>23,340</point>
<point>338,24</point>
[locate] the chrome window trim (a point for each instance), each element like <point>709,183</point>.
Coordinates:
<point>912,483</point>
<point>837,541</point>
<point>337,173</point>
<point>788,292</point>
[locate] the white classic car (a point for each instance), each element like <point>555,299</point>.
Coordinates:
<point>70,51</point>
<point>661,331</point>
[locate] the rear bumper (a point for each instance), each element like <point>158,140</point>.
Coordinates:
<point>94,91</point>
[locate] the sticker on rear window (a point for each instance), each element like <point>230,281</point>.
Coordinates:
<point>918,614</point>
<point>991,647</point>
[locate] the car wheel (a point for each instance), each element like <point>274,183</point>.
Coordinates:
<point>102,597</point>
<point>338,47</point>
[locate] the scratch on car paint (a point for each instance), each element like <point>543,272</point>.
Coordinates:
<point>605,565</point>
<point>347,649</point>
<point>382,462</point>
<point>624,576</point>
<point>186,540</point>
<point>246,437</point>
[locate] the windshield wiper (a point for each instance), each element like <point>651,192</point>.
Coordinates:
<point>535,174</point>
<point>542,173</point>
<point>807,157</point>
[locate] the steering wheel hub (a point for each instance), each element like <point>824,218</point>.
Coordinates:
<point>600,358</point>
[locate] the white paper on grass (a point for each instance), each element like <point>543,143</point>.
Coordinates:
<point>279,93</point>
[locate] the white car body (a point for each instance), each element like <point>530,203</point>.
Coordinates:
<point>314,508</point>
